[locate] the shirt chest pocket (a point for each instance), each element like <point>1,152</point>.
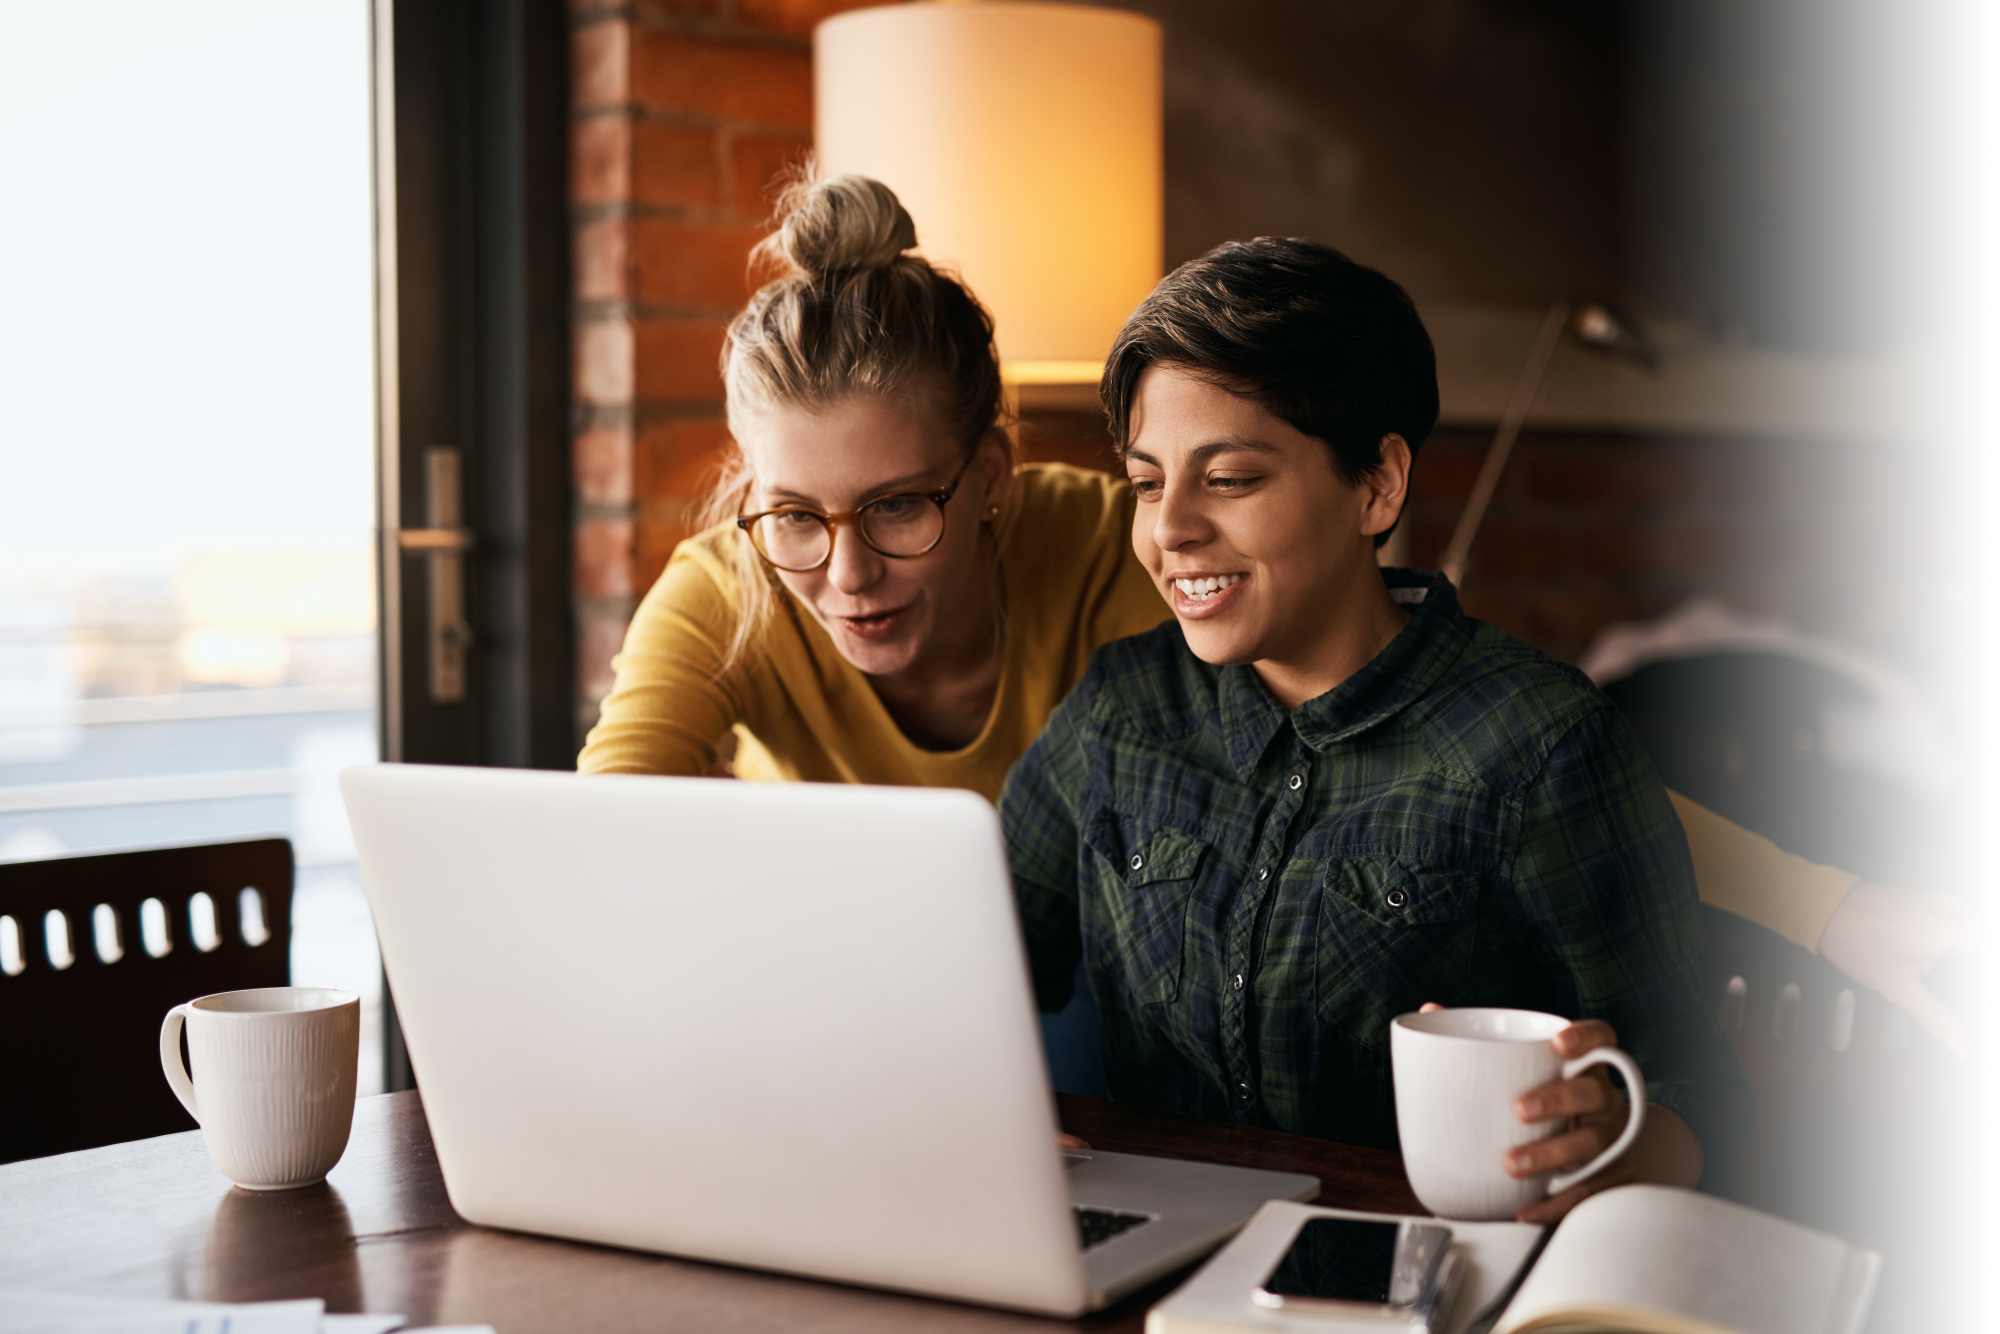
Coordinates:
<point>1393,932</point>
<point>1144,881</point>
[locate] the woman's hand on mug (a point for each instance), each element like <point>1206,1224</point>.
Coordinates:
<point>1665,1152</point>
<point>1597,1114</point>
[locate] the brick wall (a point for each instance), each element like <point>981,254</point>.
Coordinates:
<point>1587,528</point>
<point>683,113</point>
<point>1592,527</point>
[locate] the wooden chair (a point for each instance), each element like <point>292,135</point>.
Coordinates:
<point>1863,1121</point>
<point>94,950</point>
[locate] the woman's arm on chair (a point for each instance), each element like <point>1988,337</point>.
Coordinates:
<point>1881,937</point>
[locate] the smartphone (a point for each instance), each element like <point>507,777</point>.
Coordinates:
<point>1401,1273</point>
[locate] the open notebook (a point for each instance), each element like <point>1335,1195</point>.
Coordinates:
<point>1635,1260</point>
<point>1654,1260</point>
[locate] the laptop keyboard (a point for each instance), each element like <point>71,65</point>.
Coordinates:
<point>1094,1227</point>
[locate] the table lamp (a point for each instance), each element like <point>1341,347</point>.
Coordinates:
<point>1024,139</point>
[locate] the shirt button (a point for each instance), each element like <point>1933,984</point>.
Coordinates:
<point>1237,982</point>
<point>1242,1093</point>
<point>1395,898</point>
<point>1263,873</point>
<point>1296,783</point>
<point>1137,861</point>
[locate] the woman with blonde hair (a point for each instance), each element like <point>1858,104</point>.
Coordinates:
<point>884,597</point>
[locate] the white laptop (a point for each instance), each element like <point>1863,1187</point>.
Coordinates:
<point>787,1026</point>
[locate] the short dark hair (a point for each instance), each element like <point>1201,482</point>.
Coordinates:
<point>1327,345</point>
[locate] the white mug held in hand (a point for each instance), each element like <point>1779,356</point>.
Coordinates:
<point>1457,1075</point>
<point>273,1081</point>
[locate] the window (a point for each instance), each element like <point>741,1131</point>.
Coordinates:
<point>186,588</point>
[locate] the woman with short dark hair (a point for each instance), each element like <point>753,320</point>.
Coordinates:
<point>884,597</point>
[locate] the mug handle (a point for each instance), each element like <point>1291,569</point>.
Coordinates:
<point>1635,1092</point>
<point>170,1060</point>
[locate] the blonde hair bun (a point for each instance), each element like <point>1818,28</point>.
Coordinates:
<point>839,224</point>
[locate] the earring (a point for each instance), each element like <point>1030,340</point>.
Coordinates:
<point>992,513</point>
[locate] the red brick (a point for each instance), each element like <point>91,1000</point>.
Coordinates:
<point>678,361</point>
<point>680,461</point>
<point>1446,466</point>
<point>601,463</point>
<point>1428,536</point>
<point>603,555</point>
<point>1833,479</point>
<point>600,635</point>
<point>674,166</point>
<point>1582,474</point>
<point>600,160</point>
<point>1663,477</point>
<point>1616,550</point>
<point>603,261</point>
<point>605,355</point>
<point>647,10</point>
<point>768,85</point>
<point>756,161</point>
<point>1491,601</point>
<point>1709,547</point>
<point>1563,621</point>
<point>600,56</point>
<point>1514,548</point>
<point>658,535</point>
<point>793,17</point>
<point>691,264</point>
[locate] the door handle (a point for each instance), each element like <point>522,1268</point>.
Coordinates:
<point>443,544</point>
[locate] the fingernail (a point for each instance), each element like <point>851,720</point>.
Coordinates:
<point>1531,1108</point>
<point>1517,1162</point>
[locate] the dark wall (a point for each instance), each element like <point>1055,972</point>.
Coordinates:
<point>1729,162</point>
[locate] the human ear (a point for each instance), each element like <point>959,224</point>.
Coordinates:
<point>995,465</point>
<point>1386,488</point>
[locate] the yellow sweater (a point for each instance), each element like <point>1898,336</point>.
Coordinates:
<point>801,711</point>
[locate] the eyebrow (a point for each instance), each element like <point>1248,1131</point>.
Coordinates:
<point>907,482</point>
<point>1205,452</point>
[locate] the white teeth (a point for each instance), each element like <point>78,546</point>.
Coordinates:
<point>1200,590</point>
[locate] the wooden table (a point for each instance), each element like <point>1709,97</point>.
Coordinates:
<point>155,1219</point>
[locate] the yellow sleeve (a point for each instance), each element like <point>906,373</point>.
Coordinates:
<point>1751,876</point>
<point>668,707</point>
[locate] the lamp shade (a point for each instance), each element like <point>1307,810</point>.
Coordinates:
<point>1024,139</point>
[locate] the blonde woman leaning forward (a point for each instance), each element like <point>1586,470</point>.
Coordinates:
<point>888,599</point>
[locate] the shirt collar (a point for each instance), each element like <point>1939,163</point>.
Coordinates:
<point>1437,633</point>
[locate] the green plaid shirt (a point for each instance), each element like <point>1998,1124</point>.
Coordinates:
<point>1256,893</point>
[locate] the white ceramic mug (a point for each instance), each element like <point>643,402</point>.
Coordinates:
<point>1457,1074</point>
<point>273,1079</point>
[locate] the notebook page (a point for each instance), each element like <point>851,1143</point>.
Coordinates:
<point>1658,1259</point>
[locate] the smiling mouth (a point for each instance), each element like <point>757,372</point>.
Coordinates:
<point>874,625</point>
<point>1201,590</point>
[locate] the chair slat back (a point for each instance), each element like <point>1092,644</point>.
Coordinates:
<point>94,950</point>
<point>1863,1121</point>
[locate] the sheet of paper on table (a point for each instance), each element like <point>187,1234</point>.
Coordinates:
<point>1217,1298</point>
<point>66,1313</point>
